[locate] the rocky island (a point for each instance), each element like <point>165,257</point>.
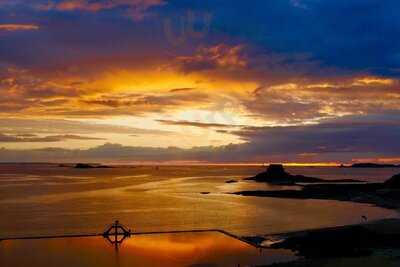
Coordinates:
<point>276,174</point>
<point>90,166</point>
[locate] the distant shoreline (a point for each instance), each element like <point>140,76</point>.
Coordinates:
<point>233,164</point>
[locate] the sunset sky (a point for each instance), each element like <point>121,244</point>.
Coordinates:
<point>200,81</point>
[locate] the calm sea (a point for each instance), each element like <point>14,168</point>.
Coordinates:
<point>41,199</point>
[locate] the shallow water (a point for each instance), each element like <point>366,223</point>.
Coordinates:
<point>45,199</point>
<point>164,250</point>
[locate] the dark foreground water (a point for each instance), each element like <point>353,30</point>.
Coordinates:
<point>40,199</point>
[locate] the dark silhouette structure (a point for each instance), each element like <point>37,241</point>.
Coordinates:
<point>116,233</point>
<point>393,182</point>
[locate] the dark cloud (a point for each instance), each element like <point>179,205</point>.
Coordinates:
<point>117,153</point>
<point>60,127</point>
<point>339,140</point>
<point>181,90</point>
<point>26,138</point>
<point>199,124</point>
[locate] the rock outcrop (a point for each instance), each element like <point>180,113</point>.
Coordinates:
<point>394,182</point>
<point>276,174</point>
<point>90,166</point>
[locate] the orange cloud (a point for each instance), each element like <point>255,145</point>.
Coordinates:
<point>374,81</point>
<point>136,9</point>
<point>220,56</point>
<point>220,78</point>
<point>18,27</point>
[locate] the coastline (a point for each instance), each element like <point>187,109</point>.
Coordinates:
<point>350,245</point>
<point>385,195</point>
<point>372,243</point>
<point>364,194</point>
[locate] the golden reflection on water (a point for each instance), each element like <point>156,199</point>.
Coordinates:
<point>45,199</point>
<point>183,249</point>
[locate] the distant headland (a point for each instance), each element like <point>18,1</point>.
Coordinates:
<point>372,165</point>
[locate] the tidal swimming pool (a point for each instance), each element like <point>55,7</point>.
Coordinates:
<point>169,249</point>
